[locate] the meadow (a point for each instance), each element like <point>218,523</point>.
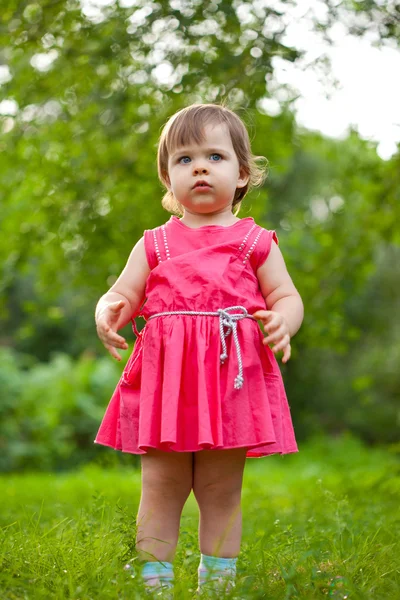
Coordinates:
<point>323,523</point>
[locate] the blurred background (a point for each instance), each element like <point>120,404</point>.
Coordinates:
<point>85,88</point>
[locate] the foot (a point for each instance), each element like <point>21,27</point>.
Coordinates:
<point>156,587</point>
<point>219,585</point>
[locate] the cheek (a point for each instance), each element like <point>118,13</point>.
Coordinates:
<point>176,174</point>
<point>230,175</point>
<point>176,180</point>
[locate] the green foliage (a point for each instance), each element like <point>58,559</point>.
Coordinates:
<point>378,21</point>
<point>50,412</point>
<point>80,180</point>
<point>79,186</point>
<point>355,385</point>
<point>321,523</point>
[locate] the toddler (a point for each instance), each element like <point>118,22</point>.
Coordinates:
<point>202,389</point>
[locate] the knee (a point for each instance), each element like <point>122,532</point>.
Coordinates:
<point>217,495</point>
<point>165,486</point>
<point>168,476</point>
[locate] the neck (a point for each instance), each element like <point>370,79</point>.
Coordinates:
<point>224,217</point>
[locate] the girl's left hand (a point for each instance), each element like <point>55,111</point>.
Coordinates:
<point>277,330</point>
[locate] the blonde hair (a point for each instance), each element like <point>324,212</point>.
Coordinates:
<point>187,126</point>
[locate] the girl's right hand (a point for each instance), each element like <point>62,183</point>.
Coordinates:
<point>106,324</point>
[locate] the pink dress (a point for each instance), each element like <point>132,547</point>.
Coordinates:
<point>176,393</point>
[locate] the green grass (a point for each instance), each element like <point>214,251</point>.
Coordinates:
<point>330,511</point>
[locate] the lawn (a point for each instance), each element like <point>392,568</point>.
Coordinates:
<point>323,523</point>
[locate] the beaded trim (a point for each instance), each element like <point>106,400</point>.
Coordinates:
<point>158,253</point>
<point>165,242</point>
<point>254,244</point>
<point>242,245</point>
<point>156,246</point>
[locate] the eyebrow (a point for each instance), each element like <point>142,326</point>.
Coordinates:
<point>211,149</point>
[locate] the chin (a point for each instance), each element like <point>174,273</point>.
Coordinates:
<point>207,208</point>
<point>204,205</point>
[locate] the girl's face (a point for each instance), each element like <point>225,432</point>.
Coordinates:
<point>212,162</point>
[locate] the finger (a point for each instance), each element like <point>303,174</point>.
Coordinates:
<point>103,327</point>
<point>110,337</point>
<point>116,340</point>
<point>281,345</point>
<point>110,312</point>
<point>116,306</point>
<point>113,352</point>
<point>105,330</point>
<point>286,353</point>
<point>121,345</point>
<point>111,342</point>
<point>263,315</point>
<point>276,336</point>
<point>274,322</point>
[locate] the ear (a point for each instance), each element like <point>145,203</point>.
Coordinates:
<point>243,178</point>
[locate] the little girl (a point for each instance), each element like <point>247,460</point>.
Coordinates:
<point>202,389</point>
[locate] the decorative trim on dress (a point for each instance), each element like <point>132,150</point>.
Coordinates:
<point>253,245</point>
<point>165,242</point>
<point>157,248</point>
<point>242,245</point>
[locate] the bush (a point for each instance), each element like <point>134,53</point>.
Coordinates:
<point>50,412</point>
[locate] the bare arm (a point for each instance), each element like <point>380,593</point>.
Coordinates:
<point>116,308</point>
<point>285,309</point>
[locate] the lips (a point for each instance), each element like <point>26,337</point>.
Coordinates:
<point>201,184</point>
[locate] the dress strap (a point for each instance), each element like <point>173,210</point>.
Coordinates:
<point>164,243</point>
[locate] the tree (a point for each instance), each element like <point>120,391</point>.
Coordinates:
<point>91,92</point>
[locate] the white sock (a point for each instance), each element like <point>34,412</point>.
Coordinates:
<point>216,569</point>
<point>156,574</point>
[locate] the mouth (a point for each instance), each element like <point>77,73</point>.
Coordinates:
<point>201,185</point>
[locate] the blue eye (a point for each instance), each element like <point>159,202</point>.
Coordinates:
<point>183,160</point>
<point>215,154</point>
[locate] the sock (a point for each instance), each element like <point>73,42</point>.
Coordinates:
<point>158,574</point>
<point>213,568</point>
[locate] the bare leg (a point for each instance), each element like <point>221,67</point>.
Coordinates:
<point>166,484</point>
<point>217,486</point>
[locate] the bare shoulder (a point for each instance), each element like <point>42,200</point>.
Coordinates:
<point>273,277</point>
<point>132,281</point>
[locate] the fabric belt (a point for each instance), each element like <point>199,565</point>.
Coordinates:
<point>227,324</point>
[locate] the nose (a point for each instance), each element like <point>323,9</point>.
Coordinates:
<point>197,169</point>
